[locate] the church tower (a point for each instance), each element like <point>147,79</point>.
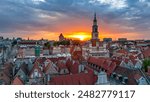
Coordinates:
<point>95,33</point>
<point>95,29</point>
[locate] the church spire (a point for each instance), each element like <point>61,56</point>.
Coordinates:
<point>95,28</point>
<point>95,17</point>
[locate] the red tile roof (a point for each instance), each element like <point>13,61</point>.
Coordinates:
<point>137,76</point>
<point>61,65</point>
<point>146,53</point>
<point>75,79</point>
<point>122,51</point>
<point>75,68</point>
<point>17,81</point>
<point>126,60</point>
<point>36,66</point>
<point>76,52</point>
<point>134,62</point>
<point>40,60</point>
<point>57,59</point>
<point>132,57</point>
<point>118,62</point>
<point>105,63</point>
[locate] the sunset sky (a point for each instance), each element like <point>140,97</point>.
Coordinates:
<point>38,19</point>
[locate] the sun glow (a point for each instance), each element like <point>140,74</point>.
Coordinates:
<point>79,35</point>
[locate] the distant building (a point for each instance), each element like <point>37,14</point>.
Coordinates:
<point>27,43</point>
<point>56,50</point>
<point>76,52</point>
<point>25,52</point>
<point>1,38</point>
<point>122,39</point>
<point>95,47</point>
<point>146,53</point>
<point>47,51</point>
<point>5,50</point>
<point>128,76</point>
<point>61,37</point>
<point>37,51</point>
<point>107,40</point>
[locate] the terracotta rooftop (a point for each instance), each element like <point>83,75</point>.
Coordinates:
<point>17,81</point>
<point>105,63</point>
<point>75,67</point>
<point>122,51</point>
<point>75,79</point>
<point>36,66</point>
<point>146,53</point>
<point>61,65</point>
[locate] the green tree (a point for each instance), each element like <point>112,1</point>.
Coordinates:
<point>55,43</point>
<point>47,45</point>
<point>146,63</point>
<point>65,42</point>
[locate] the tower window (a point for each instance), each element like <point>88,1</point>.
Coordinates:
<point>95,29</point>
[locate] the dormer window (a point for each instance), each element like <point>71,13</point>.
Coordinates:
<point>36,74</point>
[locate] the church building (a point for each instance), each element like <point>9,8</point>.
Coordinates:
<point>95,48</point>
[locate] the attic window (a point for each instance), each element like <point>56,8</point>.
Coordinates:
<point>36,74</point>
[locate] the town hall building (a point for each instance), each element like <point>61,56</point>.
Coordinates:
<point>95,47</point>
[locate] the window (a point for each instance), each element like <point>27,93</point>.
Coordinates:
<point>64,71</point>
<point>125,79</point>
<point>1,74</point>
<point>114,75</point>
<point>36,74</point>
<point>120,78</point>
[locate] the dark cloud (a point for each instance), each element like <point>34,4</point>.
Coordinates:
<point>50,15</point>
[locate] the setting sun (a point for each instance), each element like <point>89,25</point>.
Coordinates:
<point>79,35</point>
